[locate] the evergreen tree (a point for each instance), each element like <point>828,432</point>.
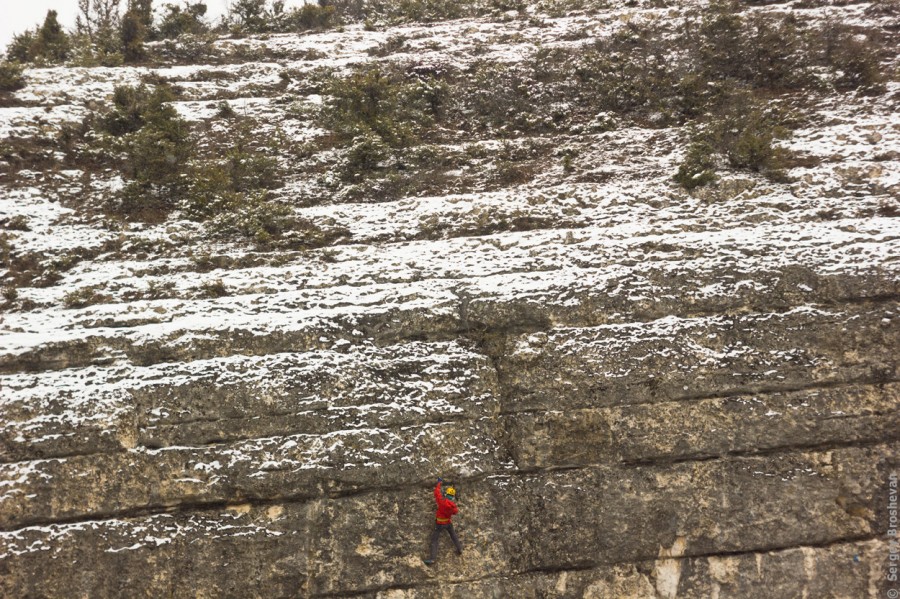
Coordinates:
<point>176,22</point>
<point>722,53</point>
<point>144,10</point>
<point>21,48</point>
<point>52,43</point>
<point>133,32</point>
<point>249,15</point>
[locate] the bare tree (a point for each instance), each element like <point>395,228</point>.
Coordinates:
<point>97,19</point>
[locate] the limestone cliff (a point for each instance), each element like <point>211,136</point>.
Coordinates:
<point>640,390</point>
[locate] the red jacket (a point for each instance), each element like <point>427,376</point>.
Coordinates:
<point>446,509</point>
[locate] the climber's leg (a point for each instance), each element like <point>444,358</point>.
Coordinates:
<point>435,539</point>
<point>455,539</point>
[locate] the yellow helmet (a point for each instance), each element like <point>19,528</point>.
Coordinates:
<point>450,492</point>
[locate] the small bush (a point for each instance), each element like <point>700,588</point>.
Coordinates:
<point>249,16</point>
<point>16,223</point>
<point>11,78</point>
<point>157,152</point>
<point>256,218</point>
<point>425,11</point>
<point>855,60</point>
<point>777,53</point>
<point>51,42</point>
<point>249,170</point>
<point>722,50</point>
<point>225,111</point>
<point>133,107</point>
<point>498,97</point>
<point>214,289</point>
<point>312,16</point>
<point>698,167</point>
<point>511,164</point>
<point>631,72</point>
<point>366,155</point>
<point>513,173</point>
<point>746,133</point>
<point>86,296</point>
<point>21,48</point>
<point>218,185</point>
<point>188,49</point>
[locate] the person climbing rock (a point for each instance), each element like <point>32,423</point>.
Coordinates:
<point>446,509</point>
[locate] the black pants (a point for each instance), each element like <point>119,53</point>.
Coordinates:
<point>436,537</point>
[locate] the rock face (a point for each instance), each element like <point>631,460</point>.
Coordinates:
<point>639,392</point>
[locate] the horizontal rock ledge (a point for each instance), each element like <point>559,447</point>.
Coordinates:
<point>509,523</point>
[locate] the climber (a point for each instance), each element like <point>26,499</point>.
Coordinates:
<point>446,509</point>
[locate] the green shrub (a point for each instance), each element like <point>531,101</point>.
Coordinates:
<point>312,16</point>
<point>85,296</point>
<point>631,72</point>
<point>136,106</point>
<point>425,10</point>
<point>155,146</point>
<point>21,48</point>
<point>98,33</point>
<point>498,97</point>
<point>155,154</point>
<point>721,53</point>
<point>371,101</point>
<point>177,22</point>
<point>11,78</point>
<point>512,165</point>
<point>188,48</point>
<point>225,111</point>
<point>855,59</point>
<point>257,218</point>
<point>746,134</point>
<point>366,154</point>
<point>698,167</point>
<point>47,43</point>
<point>248,15</point>
<point>216,182</point>
<point>743,130</point>
<point>230,193</point>
<point>250,168</point>
<point>90,56</point>
<point>513,173</point>
<point>133,33</point>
